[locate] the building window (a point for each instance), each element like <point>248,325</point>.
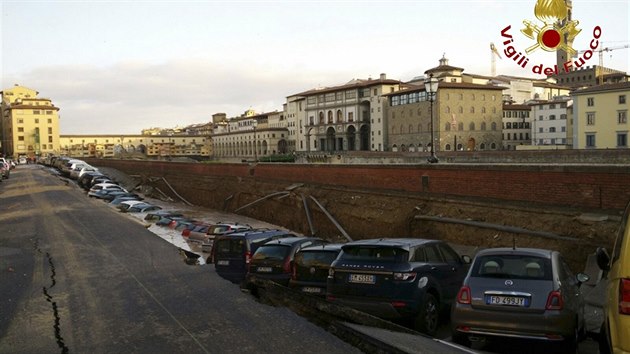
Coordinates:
<point>563,116</point>
<point>472,109</point>
<point>36,120</point>
<point>622,139</point>
<point>49,130</point>
<point>50,139</point>
<point>36,112</point>
<point>552,129</point>
<point>20,129</point>
<point>20,120</point>
<point>622,99</point>
<point>483,125</point>
<point>483,109</point>
<point>493,126</point>
<point>552,117</point>
<point>20,138</point>
<point>48,112</point>
<point>590,140</point>
<point>622,117</point>
<point>590,118</point>
<point>590,101</point>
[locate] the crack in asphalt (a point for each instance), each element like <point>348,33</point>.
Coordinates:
<point>50,299</point>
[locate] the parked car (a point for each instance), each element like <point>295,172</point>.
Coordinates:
<point>142,208</point>
<point>102,187</point>
<point>116,201</point>
<point>523,293</point>
<point>221,228</point>
<point>233,252</point>
<point>167,220</point>
<point>85,181</point>
<point>615,331</point>
<point>273,260</point>
<point>310,268</point>
<point>156,215</point>
<point>399,278</point>
<point>6,168</point>
<point>118,194</point>
<point>86,169</point>
<point>128,204</point>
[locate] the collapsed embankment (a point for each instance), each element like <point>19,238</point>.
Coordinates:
<point>387,201</point>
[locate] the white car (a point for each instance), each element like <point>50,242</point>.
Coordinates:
<point>128,204</point>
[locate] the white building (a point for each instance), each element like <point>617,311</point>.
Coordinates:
<point>550,123</point>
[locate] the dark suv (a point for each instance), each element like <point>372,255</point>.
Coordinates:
<point>401,278</point>
<point>233,252</point>
<point>272,261</point>
<point>310,268</point>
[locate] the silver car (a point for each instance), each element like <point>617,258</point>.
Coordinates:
<point>521,293</point>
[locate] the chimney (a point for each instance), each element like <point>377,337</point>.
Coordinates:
<point>383,76</point>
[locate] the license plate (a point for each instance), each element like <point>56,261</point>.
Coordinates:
<point>223,263</point>
<point>362,278</point>
<point>308,289</point>
<point>506,300</point>
<point>263,269</point>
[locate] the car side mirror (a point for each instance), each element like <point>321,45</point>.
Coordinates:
<point>603,259</point>
<point>582,278</point>
<point>466,259</point>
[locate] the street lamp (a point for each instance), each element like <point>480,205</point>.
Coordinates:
<point>431,86</point>
<point>255,124</point>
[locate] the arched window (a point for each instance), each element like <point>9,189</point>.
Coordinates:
<point>419,128</point>
<point>471,126</point>
<point>330,117</point>
<point>410,128</point>
<point>461,109</point>
<point>483,125</point>
<point>460,126</point>
<point>321,117</point>
<point>447,147</point>
<point>447,127</point>
<point>412,148</point>
<point>472,109</point>
<point>447,109</point>
<point>339,116</point>
<point>482,146</point>
<point>483,109</point>
<point>493,126</point>
<point>493,146</point>
<point>395,148</point>
<point>429,127</point>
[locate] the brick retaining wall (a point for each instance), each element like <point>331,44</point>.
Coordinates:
<point>587,186</point>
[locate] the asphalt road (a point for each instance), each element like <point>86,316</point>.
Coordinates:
<point>77,277</point>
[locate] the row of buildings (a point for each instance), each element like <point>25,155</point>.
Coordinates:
<point>468,113</point>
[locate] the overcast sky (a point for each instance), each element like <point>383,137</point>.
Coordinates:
<point>120,66</point>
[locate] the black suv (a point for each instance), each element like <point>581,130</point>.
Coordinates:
<point>273,260</point>
<point>310,268</point>
<point>402,278</point>
<point>233,252</point>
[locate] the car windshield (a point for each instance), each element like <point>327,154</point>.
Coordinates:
<point>388,254</point>
<point>513,267</point>
<point>277,252</point>
<point>229,245</point>
<point>315,258</point>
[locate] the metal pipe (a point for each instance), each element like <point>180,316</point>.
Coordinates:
<point>485,225</point>
<point>307,210</point>
<point>343,232</point>
<point>178,196</point>
<point>260,200</point>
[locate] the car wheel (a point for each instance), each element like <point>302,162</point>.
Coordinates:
<point>428,318</point>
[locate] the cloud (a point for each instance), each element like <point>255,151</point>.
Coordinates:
<point>129,96</point>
